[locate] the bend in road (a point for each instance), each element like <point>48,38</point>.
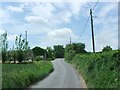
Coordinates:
<point>63,76</point>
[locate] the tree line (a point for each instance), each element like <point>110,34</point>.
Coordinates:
<point>21,51</point>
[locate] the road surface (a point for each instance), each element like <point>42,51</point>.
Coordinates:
<point>63,76</point>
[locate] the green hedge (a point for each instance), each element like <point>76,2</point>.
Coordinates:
<point>99,70</point>
<point>22,75</point>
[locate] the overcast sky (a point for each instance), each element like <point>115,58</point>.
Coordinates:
<point>53,23</point>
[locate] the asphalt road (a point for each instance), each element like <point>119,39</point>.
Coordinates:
<point>63,76</point>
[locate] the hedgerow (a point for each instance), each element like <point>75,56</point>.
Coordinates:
<point>100,70</point>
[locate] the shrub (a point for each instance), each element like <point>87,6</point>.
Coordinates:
<point>99,70</point>
<point>49,59</point>
<point>3,57</point>
<point>38,58</point>
<point>70,55</point>
<point>107,48</point>
<point>20,56</point>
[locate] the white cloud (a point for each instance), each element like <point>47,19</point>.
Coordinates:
<point>54,13</point>
<point>107,34</point>
<point>16,9</point>
<point>103,14</point>
<point>59,36</point>
<point>107,37</point>
<point>58,0</point>
<point>36,19</point>
<point>64,33</point>
<point>107,9</point>
<point>11,37</point>
<point>2,31</point>
<point>4,16</point>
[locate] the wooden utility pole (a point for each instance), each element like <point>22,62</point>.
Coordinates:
<point>92,31</point>
<point>26,48</point>
<point>70,41</point>
<point>26,35</point>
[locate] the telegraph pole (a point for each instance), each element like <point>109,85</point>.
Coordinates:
<point>26,35</point>
<point>26,40</point>
<point>92,31</point>
<point>26,48</point>
<point>70,41</point>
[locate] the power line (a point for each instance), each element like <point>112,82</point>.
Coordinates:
<point>95,5</point>
<point>88,18</point>
<point>85,25</point>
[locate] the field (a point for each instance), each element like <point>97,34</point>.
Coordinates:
<point>100,70</point>
<point>22,75</point>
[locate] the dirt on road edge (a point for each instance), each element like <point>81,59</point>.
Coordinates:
<point>81,78</point>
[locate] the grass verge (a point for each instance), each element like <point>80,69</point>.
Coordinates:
<point>22,75</point>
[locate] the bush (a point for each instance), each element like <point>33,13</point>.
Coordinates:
<point>49,59</point>
<point>70,55</point>
<point>4,57</point>
<point>107,48</point>
<point>38,58</point>
<point>20,56</point>
<point>99,70</point>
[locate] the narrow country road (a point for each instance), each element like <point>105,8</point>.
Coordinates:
<point>63,76</point>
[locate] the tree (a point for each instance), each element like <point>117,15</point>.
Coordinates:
<point>37,51</point>
<point>59,51</point>
<point>77,47</point>
<point>72,49</point>
<point>50,53</point>
<point>107,48</point>
<point>13,54</point>
<point>20,43</point>
<point>4,47</point>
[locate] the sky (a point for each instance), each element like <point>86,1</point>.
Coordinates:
<point>53,23</point>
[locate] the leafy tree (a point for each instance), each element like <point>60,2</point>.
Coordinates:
<point>70,55</point>
<point>37,51</point>
<point>59,51</point>
<point>4,47</point>
<point>77,47</point>
<point>14,54</point>
<point>72,49</point>
<point>20,47</point>
<point>50,53</point>
<point>107,48</point>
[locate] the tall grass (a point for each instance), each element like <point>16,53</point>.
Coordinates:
<point>22,75</point>
<point>100,70</point>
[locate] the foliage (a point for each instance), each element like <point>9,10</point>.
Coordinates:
<point>99,70</point>
<point>59,51</point>
<point>70,55</point>
<point>22,75</point>
<point>20,52</point>
<point>50,53</point>
<point>37,51</point>
<point>72,49</point>
<point>107,48</point>
<point>20,47</point>
<point>38,58</point>
<point>49,59</point>
<point>77,47</point>
<point>4,47</point>
<point>20,56</point>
